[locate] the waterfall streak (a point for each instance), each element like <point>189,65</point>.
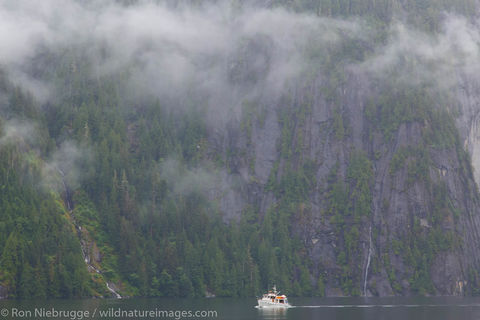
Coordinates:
<point>368,262</point>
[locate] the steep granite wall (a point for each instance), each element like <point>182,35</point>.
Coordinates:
<point>394,207</point>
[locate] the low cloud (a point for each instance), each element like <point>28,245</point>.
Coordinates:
<point>184,181</point>
<point>66,168</point>
<point>17,132</point>
<point>215,52</point>
<point>437,60</point>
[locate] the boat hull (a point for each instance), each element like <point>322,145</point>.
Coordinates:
<point>270,304</point>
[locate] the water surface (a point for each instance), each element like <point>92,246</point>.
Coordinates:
<point>392,308</point>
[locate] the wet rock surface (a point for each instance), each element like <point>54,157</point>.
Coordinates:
<point>402,205</point>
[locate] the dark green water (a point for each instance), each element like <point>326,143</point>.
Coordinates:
<point>305,308</point>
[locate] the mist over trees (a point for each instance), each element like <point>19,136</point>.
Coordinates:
<point>135,120</point>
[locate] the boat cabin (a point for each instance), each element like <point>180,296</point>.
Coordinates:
<point>275,298</point>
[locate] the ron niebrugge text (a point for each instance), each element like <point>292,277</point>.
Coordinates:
<point>47,313</point>
<point>52,313</point>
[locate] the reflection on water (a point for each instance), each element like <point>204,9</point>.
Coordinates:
<point>273,313</point>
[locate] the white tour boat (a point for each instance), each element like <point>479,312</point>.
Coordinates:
<point>273,299</point>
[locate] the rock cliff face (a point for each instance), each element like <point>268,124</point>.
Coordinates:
<point>393,208</point>
<point>468,120</point>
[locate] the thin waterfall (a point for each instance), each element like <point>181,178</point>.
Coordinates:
<point>83,244</point>
<point>368,262</point>
<point>115,293</point>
